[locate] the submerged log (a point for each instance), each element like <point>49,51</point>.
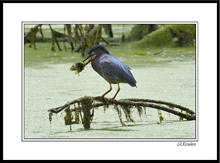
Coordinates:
<point>86,104</point>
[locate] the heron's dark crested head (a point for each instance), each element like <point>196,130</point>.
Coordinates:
<point>98,49</point>
<point>95,51</point>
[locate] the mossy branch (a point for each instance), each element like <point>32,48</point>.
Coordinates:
<point>157,104</point>
<point>87,103</point>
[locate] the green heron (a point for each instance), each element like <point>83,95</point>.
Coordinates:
<point>110,68</point>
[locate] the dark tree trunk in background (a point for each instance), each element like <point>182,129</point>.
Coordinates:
<point>69,32</point>
<point>178,35</point>
<point>54,39</point>
<point>123,35</point>
<point>76,33</point>
<point>140,30</point>
<point>83,43</point>
<point>97,34</point>
<point>91,26</point>
<point>41,31</point>
<point>152,27</point>
<point>31,35</point>
<point>89,36</point>
<point>108,30</point>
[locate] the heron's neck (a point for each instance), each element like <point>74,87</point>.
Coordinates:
<point>96,63</point>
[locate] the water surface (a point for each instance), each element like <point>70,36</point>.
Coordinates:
<point>168,76</point>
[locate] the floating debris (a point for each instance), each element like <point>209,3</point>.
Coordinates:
<point>160,116</point>
<point>156,53</point>
<point>50,116</point>
<point>139,53</point>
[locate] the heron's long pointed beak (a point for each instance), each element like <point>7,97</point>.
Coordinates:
<point>89,58</point>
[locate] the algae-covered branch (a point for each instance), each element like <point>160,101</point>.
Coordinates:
<point>83,108</point>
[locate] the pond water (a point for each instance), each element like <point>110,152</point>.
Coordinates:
<point>48,83</point>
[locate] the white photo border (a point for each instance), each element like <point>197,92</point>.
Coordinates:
<point>203,13</point>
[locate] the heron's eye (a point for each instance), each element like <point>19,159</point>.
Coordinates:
<point>93,53</point>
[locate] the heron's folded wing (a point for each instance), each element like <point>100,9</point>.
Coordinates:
<point>114,70</point>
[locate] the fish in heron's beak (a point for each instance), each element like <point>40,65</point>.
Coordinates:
<point>79,66</point>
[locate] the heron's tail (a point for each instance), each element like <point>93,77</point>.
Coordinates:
<point>132,83</point>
